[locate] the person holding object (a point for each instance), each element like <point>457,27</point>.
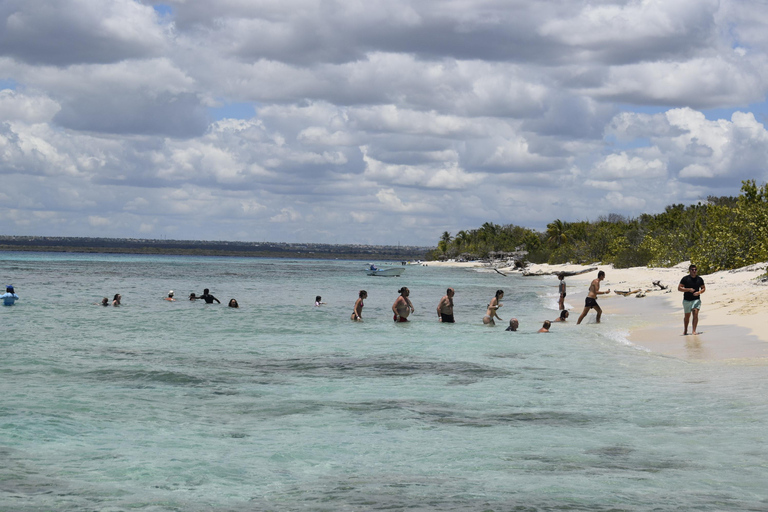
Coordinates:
<point>692,287</point>
<point>591,301</point>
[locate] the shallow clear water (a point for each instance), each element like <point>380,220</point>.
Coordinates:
<point>158,406</point>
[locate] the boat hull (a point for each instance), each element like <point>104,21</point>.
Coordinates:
<point>386,272</point>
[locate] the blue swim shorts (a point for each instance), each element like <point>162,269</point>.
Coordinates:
<point>689,305</point>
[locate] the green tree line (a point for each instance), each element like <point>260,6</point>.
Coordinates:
<point>719,234</point>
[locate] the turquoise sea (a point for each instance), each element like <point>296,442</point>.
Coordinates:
<point>282,406</point>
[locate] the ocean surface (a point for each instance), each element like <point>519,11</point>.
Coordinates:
<point>282,406</point>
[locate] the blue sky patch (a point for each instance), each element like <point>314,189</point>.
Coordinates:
<point>163,9</point>
<point>233,111</point>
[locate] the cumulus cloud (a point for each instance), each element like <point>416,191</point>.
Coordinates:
<point>418,116</point>
<point>69,32</point>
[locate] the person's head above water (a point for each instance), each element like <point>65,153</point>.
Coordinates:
<point>564,314</point>
<point>9,289</point>
<point>233,303</point>
<point>513,324</point>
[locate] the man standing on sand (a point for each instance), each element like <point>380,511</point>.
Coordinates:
<point>445,307</point>
<point>692,287</point>
<point>591,301</point>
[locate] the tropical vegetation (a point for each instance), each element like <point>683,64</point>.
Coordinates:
<point>718,234</point>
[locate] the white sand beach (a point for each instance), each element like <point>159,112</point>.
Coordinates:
<point>732,321</point>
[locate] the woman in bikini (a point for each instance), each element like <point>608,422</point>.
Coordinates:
<point>357,314</point>
<point>402,306</point>
<point>494,305</point>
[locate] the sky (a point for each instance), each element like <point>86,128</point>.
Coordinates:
<point>371,121</point>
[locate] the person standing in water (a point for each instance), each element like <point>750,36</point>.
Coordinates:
<point>445,307</point>
<point>357,313</point>
<point>493,306</point>
<point>116,300</point>
<point>402,306</point>
<point>591,301</point>
<point>208,298</point>
<point>692,287</point>
<point>170,298</point>
<point>9,297</point>
<point>561,289</point>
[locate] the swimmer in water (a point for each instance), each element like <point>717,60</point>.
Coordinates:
<point>319,301</point>
<point>116,299</point>
<point>233,303</point>
<point>493,306</point>
<point>170,298</point>
<point>357,313</point>
<point>563,316</point>
<point>546,326</point>
<point>208,298</point>
<point>513,325</point>
<point>402,306</point>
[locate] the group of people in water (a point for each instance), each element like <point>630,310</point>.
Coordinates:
<point>691,285</point>
<point>403,307</point>
<point>206,297</point>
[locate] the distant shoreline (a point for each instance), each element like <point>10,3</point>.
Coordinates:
<point>208,248</point>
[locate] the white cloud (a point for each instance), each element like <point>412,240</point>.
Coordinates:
<point>423,116</point>
<point>286,215</point>
<point>617,166</point>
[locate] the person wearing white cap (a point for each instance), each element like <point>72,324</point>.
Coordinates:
<point>170,296</point>
<point>9,297</point>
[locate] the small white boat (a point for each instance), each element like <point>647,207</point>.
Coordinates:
<point>384,272</point>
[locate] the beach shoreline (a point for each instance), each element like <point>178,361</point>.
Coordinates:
<point>730,323</point>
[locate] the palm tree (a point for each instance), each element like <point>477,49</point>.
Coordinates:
<point>556,232</point>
